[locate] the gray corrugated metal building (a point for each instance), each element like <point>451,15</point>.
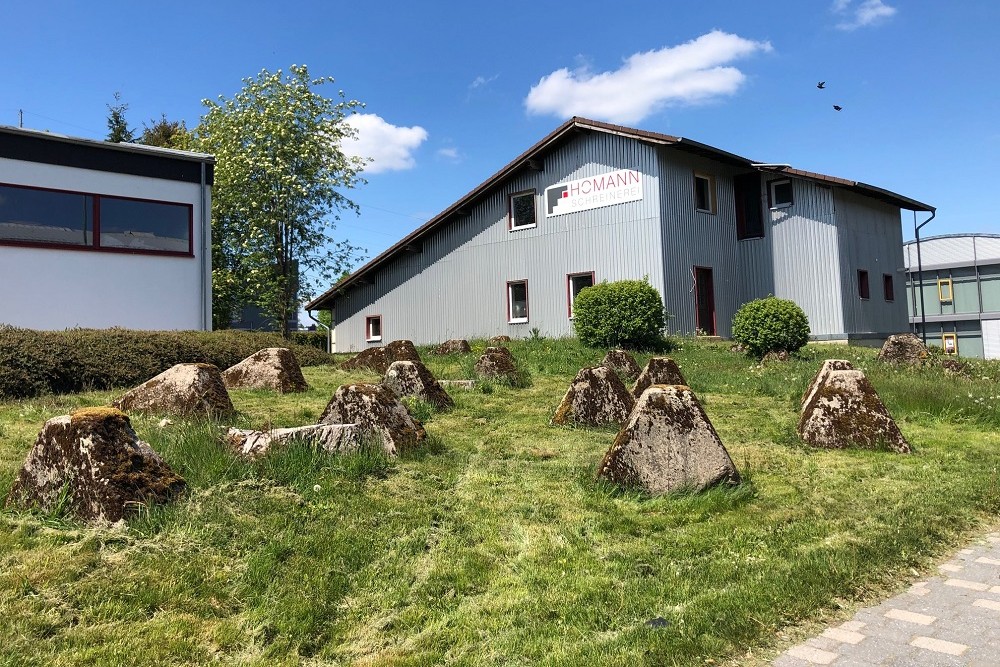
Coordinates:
<point>958,283</point>
<point>593,202</point>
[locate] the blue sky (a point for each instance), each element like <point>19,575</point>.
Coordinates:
<point>455,90</point>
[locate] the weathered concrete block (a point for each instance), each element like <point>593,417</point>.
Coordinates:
<point>596,397</point>
<point>411,378</point>
<point>376,411</point>
<point>274,368</point>
<point>668,445</point>
<point>905,348</point>
<point>93,461</point>
<point>454,346</point>
<point>334,438</point>
<point>185,390</point>
<point>659,370</point>
<point>622,363</point>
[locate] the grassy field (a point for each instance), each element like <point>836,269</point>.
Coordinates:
<point>493,544</point>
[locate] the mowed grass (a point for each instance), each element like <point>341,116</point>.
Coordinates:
<point>493,544</point>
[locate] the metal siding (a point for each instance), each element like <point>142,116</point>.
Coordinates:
<point>456,287</point>
<point>991,339</point>
<point>806,256</point>
<point>692,238</point>
<point>871,239</point>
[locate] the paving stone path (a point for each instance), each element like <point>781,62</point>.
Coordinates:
<point>951,619</point>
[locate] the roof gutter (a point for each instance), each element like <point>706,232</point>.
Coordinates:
<point>920,274</point>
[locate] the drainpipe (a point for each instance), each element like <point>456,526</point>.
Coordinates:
<point>920,272</point>
<point>310,314</point>
<point>206,260</point>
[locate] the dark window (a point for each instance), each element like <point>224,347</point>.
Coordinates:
<point>80,220</point>
<point>749,221</point>
<point>373,327</point>
<point>575,283</point>
<point>779,194</point>
<point>522,210</point>
<point>517,301</point>
<point>143,225</point>
<point>887,288</point>
<point>863,284</point>
<point>46,216</point>
<point>704,193</point>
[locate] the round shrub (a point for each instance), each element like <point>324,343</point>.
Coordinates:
<point>626,313</point>
<point>770,325</point>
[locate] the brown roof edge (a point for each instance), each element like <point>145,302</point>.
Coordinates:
<point>579,123</point>
<point>856,186</point>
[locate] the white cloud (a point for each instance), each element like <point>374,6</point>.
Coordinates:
<point>685,74</point>
<point>864,13</point>
<point>481,81</point>
<point>449,153</point>
<point>389,147</point>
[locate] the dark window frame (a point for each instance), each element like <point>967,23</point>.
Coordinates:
<point>864,289</point>
<point>771,195</point>
<point>510,303</point>
<point>95,242</point>
<point>369,338</point>
<point>569,288</point>
<point>710,194</point>
<point>888,288</point>
<point>511,227</point>
<point>746,191</point>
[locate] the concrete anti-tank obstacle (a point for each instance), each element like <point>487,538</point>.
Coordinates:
<point>595,397</point>
<point>623,363</point>
<point>274,368</point>
<point>842,410</point>
<point>411,378</point>
<point>184,390</point>
<point>377,412</point>
<point>668,444</point>
<point>333,438</point>
<point>659,370</point>
<point>94,462</point>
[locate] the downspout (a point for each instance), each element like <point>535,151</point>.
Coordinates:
<point>920,272</point>
<point>310,314</point>
<point>206,260</point>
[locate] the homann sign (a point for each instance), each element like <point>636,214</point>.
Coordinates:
<point>583,194</point>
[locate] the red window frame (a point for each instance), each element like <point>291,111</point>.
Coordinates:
<point>527,308</point>
<point>569,289</point>
<point>888,289</point>
<point>863,288</point>
<point>95,245</point>
<point>368,320</point>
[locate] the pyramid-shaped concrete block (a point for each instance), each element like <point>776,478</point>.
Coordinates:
<point>378,413</point>
<point>822,374</point>
<point>668,445</point>
<point>596,397</point>
<point>454,346</point>
<point>905,348</point>
<point>184,390</point>
<point>844,411</point>
<point>497,363</point>
<point>378,358</point>
<point>98,461</point>
<point>659,370</point>
<point>622,363</point>
<point>411,378</point>
<point>274,368</point>
<point>333,438</point>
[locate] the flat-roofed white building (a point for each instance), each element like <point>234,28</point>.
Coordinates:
<point>97,234</point>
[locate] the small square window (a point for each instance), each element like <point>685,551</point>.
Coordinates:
<point>944,290</point>
<point>863,290</point>
<point>522,210</point>
<point>779,194</point>
<point>888,290</point>
<point>575,283</point>
<point>373,328</point>
<point>517,301</point>
<point>704,193</point>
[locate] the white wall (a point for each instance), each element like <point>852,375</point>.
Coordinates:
<point>42,288</point>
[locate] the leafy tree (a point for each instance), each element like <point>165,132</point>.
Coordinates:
<point>626,313</point>
<point>166,134</point>
<point>118,130</point>
<point>770,325</point>
<point>278,180</point>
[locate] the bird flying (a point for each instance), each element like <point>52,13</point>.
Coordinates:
<point>821,85</point>
<point>837,108</point>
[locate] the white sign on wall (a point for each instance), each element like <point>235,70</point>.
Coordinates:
<point>583,194</point>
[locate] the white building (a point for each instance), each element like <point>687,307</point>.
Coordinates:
<point>95,234</point>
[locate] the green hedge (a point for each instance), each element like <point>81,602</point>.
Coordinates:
<point>626,313</point>
<point>770,325</point>
<point>58,362</point>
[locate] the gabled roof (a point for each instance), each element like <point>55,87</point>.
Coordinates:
<point>563,134</point>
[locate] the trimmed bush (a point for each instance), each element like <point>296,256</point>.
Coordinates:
<point>626,313</point>
<point>58,362</point>
<point>770,325</point>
